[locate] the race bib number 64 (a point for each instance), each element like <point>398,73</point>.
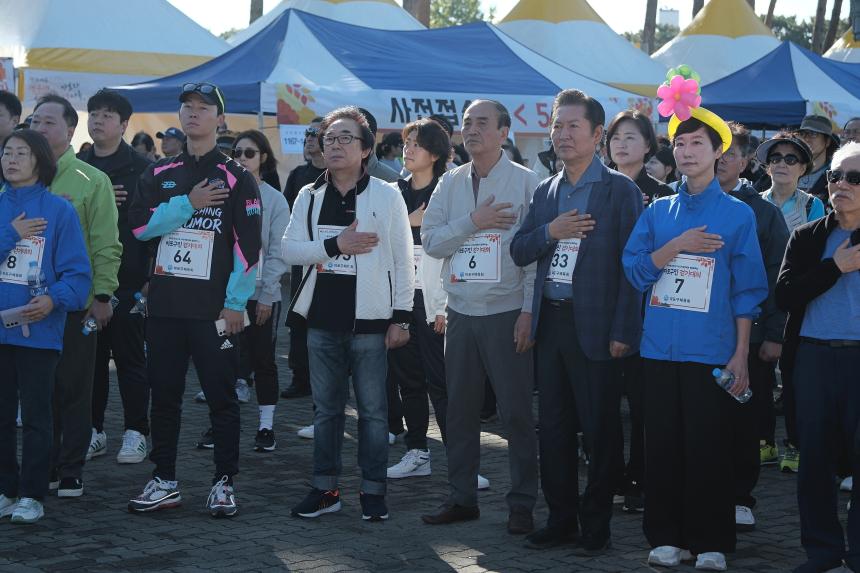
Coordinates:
<point>185,253</point>
<point>685,284</point>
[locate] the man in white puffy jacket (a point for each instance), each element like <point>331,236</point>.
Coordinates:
<point>351,234</point>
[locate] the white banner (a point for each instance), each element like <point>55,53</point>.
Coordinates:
<point>292,138</point>
<point>7,75</point>
<point>77,87</point>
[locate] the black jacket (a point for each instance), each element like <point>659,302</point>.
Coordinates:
<point>772,238</point>
<point>124,168</point>
<point>298,178</point>
<point>804,276</point>
<point>652,187</point>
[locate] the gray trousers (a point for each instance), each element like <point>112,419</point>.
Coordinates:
<point>477,347</point>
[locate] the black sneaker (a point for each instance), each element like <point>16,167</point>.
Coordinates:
<point>206,441</point>
<point>373,507</point>
<point>265,441</point>
<point>316,503</point>
<point>634,500</point>
<point>70,487</point>
<point>54,481</point>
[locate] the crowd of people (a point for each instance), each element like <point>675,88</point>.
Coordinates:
<point>685,273</point>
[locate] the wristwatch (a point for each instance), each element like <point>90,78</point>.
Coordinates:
<point>102,297</point>
<point>403,325</point>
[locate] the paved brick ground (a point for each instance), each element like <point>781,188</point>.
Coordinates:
<point>95,533</point>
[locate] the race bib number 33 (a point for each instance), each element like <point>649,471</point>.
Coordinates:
<point>478,260</point>
<point>185,253</point>
<point>685,284</point>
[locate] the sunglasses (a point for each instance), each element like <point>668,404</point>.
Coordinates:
<point>248,152</point>
<point>837,175</point>
<point>205,89</point>
<point>789,159</point>
<point>312,132</point>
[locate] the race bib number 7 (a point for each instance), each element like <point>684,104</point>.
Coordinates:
<point>478,260</point>
<point>685,284</point>
<point>185,253</point>
<point>17,264</point>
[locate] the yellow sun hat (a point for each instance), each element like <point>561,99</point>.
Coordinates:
<point>682,100</point>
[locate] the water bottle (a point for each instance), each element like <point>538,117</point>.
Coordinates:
<point>139,305</point>
<point>89,326</point>
<point>726,380</point>
<point>36,279</point>
<point>114,302</point>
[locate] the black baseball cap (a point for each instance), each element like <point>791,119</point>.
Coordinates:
<point>174,132</point>
<point>210,93</point>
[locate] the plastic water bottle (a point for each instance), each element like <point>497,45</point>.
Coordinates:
<point>114,302</point>
<point>36,279</point>
<point>139,305</point>
<point>89,326</point>
<point>725,380</point>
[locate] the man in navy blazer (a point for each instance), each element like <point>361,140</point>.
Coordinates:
<point>586,315</point>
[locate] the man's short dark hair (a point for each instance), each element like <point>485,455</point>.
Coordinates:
<point>693,124</point>
<point>741,137</point>
<point>112,101</point>
<point>11,102</point>
<point>143,138</point>
<point>371,121</point>
<point>368,139</point>
<point>69,114</point>
<point>643,125</point>
<point>46,165</point>
<point>594,112</point>
<point>501,111</point>
<point>432,137</point>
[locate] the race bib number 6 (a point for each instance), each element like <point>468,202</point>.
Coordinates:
<point>185,253</point>
<point>685,284</point>
<point>340,264</point>
<point>478,260</point>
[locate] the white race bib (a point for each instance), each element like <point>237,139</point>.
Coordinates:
<point>17,264</point>
<point>185,253</point>
<point>478,260</point>
<point>564,261</point>
<point>685,284</point>
<point>341,264</point>
<point>417,253</point>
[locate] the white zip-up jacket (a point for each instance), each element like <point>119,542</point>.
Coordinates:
<point>435,297</point>
<point>384,276</point>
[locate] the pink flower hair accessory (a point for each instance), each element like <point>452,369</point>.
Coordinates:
<point>680,95</point>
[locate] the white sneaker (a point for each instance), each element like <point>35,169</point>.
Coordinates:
<point>98,445</point>
<point>744,518</point>
<point>7,505</point>
<point>243,391</point>
<point>483,483</point>
<point>307,432</point>
<point>200,397</point>
<point>391,438</point>
<point>18,422</point>
<point>28,510</point>
<point>711,561</point>
<point>847,484</point>
<point>414,463</point>
<point>665,555</point>
<point>133,450</point>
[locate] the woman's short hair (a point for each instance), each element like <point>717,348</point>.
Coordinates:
<point>389,142</point>
<point>143,138</point>
<point>433,138</point>
<point>643,125</point>
<point>40,149</point>
<point>262,143</point>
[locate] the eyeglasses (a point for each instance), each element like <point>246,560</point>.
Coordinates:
<point>205,89</point>
<point>850,177</point>
<point>248,152</point>
<point>789,159</point>
<point>312,132</point>
<point>344,139</point>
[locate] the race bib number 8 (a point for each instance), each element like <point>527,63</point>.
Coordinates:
<point>685,284</point>
<point>17,264</point>
<point>478,260</point>
<point>341,264</point>
<point>564,261</point>
<point>185,253</point>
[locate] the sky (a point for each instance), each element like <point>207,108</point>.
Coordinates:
<point>622,15</point>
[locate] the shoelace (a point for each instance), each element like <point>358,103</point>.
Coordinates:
<point>154,484</point>
<point>219,490</point>
<point>129,440</point>
<point>27,503</point>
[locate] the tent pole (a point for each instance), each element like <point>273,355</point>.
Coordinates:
<point>260,119</point>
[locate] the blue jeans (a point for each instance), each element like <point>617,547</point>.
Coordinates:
<point>332,357</point>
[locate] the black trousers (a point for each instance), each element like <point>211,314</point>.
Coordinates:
<point>73,399</point>
<point>575,391</point>
<point>171,342</point>
<point>789,406</point>
<point>298,358</point>
<point>257,354</point>
<point>689,491</point>
<point>414,371</point>
<point>827,382</point>
<point>122,340</point>
<point>28,373</point>
<point>633,386</point>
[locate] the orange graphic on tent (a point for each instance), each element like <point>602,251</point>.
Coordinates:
<point>294,105</point>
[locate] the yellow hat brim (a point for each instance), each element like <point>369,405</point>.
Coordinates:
<point>710,119</point>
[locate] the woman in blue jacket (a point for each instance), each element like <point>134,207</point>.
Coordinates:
<point>42,252</point>
<point>697,256</point>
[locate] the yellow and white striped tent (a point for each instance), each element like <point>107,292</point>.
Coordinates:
<point>75,47</point>
<point>846,49</point>
<point>572,34</point>
<point>725,36</point>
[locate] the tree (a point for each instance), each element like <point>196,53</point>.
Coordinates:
<point>256,10</point>
<point>227,34</point>
<point>664,34</point>
<point>752,4</point>
<point>650,26</point>
<point>768,21</point>
<point>818,29</point>
<point>788,28</point>
<point>697,5</point>
<point>833,27</point>
<point>444,13</point>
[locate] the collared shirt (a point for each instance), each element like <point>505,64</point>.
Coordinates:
<point>572,196</point>
<point>835,314</point>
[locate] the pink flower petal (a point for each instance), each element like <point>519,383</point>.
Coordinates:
<point>666,107</point>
